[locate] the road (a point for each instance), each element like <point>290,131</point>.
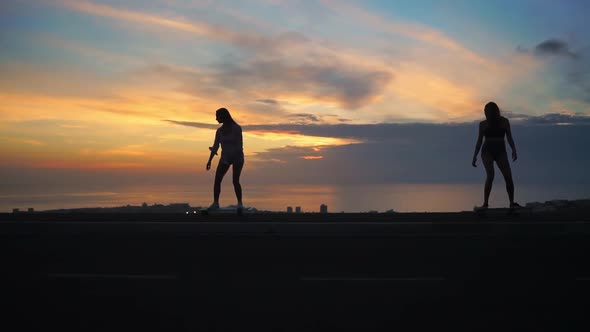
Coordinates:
<point>288,276</point>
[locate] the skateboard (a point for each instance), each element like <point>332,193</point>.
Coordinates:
<point>222,211</point>
<point>514,211</point>
<point>481,212</point>
<point>509,212</point>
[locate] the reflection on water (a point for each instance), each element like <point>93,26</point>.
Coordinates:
<point>400,197</point>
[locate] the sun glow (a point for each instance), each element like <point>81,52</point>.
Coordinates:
<point>291,139</point>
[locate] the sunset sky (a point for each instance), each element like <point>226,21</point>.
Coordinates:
<point>114,92</point>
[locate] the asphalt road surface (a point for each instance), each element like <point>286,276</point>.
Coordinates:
<point>226,274</point>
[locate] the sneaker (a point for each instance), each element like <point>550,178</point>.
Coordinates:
<point>214,206</point>
<point>515,205</point>
<point>239,206</point>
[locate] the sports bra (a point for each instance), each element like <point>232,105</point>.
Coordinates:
<point>494,132</point>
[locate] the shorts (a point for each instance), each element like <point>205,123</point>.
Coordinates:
<point>496,150</point>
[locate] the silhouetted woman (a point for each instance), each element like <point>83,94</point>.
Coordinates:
<point>494,128</point>
<point>229,135</point>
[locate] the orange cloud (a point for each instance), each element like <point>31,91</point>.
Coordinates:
<point>312,157</point>
<point>87,166</point>
<point>436,92</point>
<point>288,138</point>
<point>113,152</point>
<point>272,131</point>
<point>33,142</point>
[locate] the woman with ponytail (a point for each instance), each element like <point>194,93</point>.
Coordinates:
<point>494,128</point>
<point>229,136</point>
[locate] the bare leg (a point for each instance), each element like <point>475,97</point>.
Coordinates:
<point>221,170</point>
<point>504,166</point>
<point>237,171</point>
<point>488,164</point>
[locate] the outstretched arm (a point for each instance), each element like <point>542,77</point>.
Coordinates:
<point>477,145</point>
<point>213,149</point>
<point>511,140</point>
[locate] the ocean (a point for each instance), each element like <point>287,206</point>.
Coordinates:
<point>339,198</point>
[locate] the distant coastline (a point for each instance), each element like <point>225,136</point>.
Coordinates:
<point>186,208</point>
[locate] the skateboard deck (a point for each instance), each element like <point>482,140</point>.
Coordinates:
<point>514,211</point>
<point>497,212</point>
<point>222,211</point>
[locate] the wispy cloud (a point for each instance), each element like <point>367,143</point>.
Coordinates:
<point>551,119</point>
<point>337,83</point>
<point>203,29</point>
<point>268,101</point>
<point>89,165</point>
<point>130,151</point>
<point>33,142</point>
<point>379,131</point>
<point>304,118</point>
<point>414,31</point>
<point>312,157</point>
<point>194,124</point>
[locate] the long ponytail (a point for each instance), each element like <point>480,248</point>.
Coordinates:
<point>492,112</point>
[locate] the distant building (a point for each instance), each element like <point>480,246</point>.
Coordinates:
<point>323,208</point>
<point>289,209</point>
<point>15,210</point>
<point>298,209</point>
<point>179,205</point>
<point>31,210</point>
